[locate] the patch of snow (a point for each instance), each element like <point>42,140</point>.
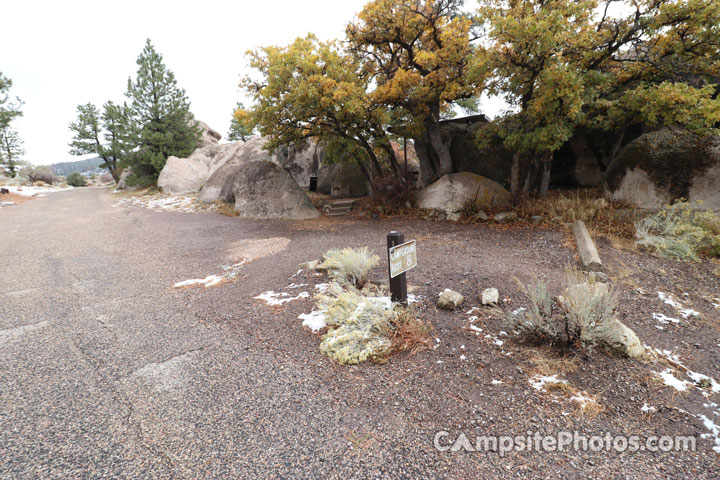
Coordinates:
<point>477,330</point>
<point>314,320</point>
<point>714,431</point>
<point>281,298</point>
<point>699,378</point>
<point>582,400</point>
<point>671,381</point>
<point>293,286</point>
<point>518,311</point>
<point>495,340</point>
<point>321,287</point>
<point>648,409</point>
<point>209,281</point>
<point>497,382</point>
<point>685,312</point>
<point>538,382</point>
<point>463,357</point>
<point>6,204</point>
<point>33,191</point>
<point>664,319</point>
<point>473,310</point>
<point>472,319</point>
<point>462,347</point>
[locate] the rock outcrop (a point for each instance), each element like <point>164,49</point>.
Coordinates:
<point>262,189</point>
<point>208,136</point>
<point>453,192</point>
<point>662,166</point>
<point>342,180</point>
<point>302,162</point>
<point>228,164</point>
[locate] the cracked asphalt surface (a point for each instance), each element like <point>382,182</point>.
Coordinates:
<point>106,371</point>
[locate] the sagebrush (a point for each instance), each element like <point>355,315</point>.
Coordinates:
<point>584,313</point>
<point>349,265</point>
<point>681,233</point>
<point>367,325</point>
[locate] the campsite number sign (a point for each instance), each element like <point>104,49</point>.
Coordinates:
<point>403,258</point>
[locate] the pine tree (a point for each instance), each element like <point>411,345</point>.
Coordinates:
<point>160,119</point>
<point>10,149</point>
<point>239,130</point>
<point>10,143</point>
<point>105,135</point>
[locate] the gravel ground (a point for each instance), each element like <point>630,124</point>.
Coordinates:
<point>107,371</point>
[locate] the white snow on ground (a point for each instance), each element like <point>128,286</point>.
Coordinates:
<point>495,340</point>
<point>209,281</point>
<point>463,357</point>
<point>165,203</point>
<point>538,382</point>
<point>699,378</point>
<point>6,204</point>
<point>280,298</point>
<point>497,382</point>
<point>648,409</point>
<point>314,320</point>
<point>39,191</point>
<point>714,431</point>
<point>671,381</point>
<point>684,312</point>
<point>475,329</point>
<point>664,319</point>
<point>322,287</point>
<point>294,286</point>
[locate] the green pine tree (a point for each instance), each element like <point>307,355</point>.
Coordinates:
<point>105,135</point>
<point>239,130</point>
<point>160,119</point>
<point>10,143</point>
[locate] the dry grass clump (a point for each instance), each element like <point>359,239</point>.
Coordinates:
<point>586,312</point>
<point>588,206</point>
<point>364,325</point>
<point>349,265</point>
<point>678,232</point>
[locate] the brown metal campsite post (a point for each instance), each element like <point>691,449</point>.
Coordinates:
<point>398,285</point>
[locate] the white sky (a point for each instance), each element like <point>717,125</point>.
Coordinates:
<point>60,54</point>
<point>63,53</point>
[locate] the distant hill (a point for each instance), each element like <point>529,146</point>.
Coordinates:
<point>88,166</point>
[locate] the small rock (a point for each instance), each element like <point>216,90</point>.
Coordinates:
<point>453,216</point>
<point>490,296</point>
<point>600,277</point>
<point>506,217</point>
<point>481,216</point>
<point>537,219</point>
<point>4,191</point>
<point>450,299</point>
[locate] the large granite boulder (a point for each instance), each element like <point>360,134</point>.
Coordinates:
<point>262,189</point>
<point>452,192</point>
<point>208,136</point>
<point>661,166</point>
<point>301,162</point>
<point>228,164</point>
<point>122,181</point>
<point>343,180</point>
<point>187,175</point>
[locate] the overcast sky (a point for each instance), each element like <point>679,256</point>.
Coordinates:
<point>63,53</point>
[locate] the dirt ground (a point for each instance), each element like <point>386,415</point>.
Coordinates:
<point>263,378</point>
<point>479,383</point>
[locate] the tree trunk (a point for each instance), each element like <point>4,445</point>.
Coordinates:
<point>367,174</point>
<point>441,150</point>
<point>515,176</point>
<point>546,163</point>
<point>428,165</point>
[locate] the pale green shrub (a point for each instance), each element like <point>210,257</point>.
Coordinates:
<point>587,312</point>
<point>535,322</point>
<point>349,265</point>
<point>589,307</point>
<point>678,232</point>
<point>360,324</point>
